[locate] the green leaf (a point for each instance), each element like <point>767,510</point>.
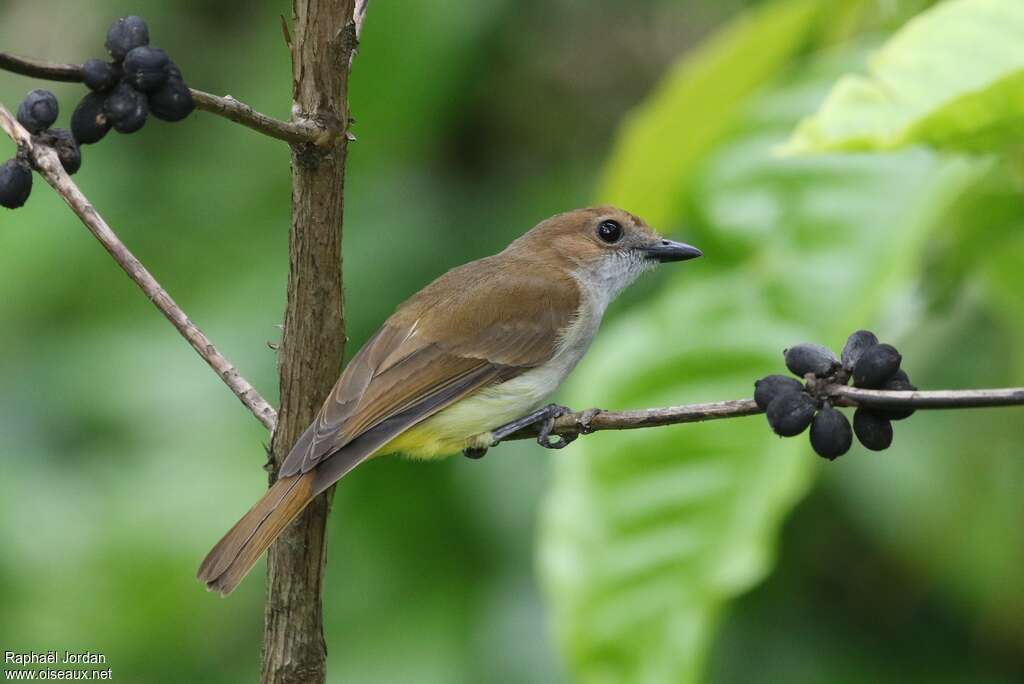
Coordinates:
<point>952,479</point>
<point>945,501</point>
<point>648,534</point>
<point>664,140</point>
<point>952,78</point>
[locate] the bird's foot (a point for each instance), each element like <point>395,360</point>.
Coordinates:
<point>546,417</point>
<point>544,438</point>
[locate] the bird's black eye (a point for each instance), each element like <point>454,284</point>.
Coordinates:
<point>609,231</point>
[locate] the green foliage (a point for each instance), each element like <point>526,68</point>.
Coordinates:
<point>952,78</point>
<point>695,105</point>
<point>123,458</point>
<point>648,535</point>
<point>967,330</point>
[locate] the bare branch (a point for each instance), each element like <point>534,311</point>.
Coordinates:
<point>290,131</point>
<point>593,420</point>
<point>44,159</point>
<point>934,399</point>
<point>298,131</point>
<point>36,68</point>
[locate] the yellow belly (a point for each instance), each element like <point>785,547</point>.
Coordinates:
<point>453,429</point>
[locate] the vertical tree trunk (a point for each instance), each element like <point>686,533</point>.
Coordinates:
<point>314,333</point>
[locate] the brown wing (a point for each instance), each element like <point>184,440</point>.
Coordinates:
<point>446,342</point>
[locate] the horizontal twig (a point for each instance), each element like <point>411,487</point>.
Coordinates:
<point>301,131</point>
<point>239,112</point>
<point>45,161</point>
<point>593,420</point>
<point>932,399</point>
<point>36,68</point>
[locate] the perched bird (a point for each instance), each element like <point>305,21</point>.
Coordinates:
<point>457,366</point>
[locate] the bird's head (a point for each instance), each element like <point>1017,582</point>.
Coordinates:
<point>603,247</point>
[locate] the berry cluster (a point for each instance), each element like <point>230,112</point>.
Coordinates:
<point>37,113</point>
<point>792,406</point>
<point>139,81</point>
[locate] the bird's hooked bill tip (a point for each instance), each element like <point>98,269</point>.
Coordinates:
<point>670,250</point>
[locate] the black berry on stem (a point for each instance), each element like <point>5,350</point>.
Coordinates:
<point>64,144</point>
<point>89,123</point>
<point>145,68</point>
<point>772,386</point>
<point>15,183</point>
<point>872,428</point>
<point>99,75</point>
<point>876,366</point>
<point>790,413</point>
<point>38,110</point>
<point>831,435</point>
<point>126,34</point>
<point>855,346</point>
<point>173,101</point>
<point>899,382</point>
<point>126,109</point>
<point>811,358</point>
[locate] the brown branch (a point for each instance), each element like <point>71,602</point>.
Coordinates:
<point>37,68</point>
<point>295,132</point>
<point>314,334</point>
<point>45,161</point>
<point>593,420</point>
<point>931,399</point>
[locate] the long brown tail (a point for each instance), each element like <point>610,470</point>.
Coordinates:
<point>235,554</point>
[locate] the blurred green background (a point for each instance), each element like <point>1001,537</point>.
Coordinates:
<point>694,553</point>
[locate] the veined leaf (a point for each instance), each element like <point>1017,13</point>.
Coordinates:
<point>952,78</point>
<point>648,534</point>
<point>664,140</point>
<point>957,496</point>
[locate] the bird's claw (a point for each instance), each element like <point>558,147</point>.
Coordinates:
<point>548,424</point>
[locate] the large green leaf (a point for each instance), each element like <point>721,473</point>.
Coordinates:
<point>952,78</point>
<point>944,502</point>
<point>648,534</point>
<point>664,140</point>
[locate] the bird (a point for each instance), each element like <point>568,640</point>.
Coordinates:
<point>461,364</point>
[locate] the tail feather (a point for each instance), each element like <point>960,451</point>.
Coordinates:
<point>234,555</point>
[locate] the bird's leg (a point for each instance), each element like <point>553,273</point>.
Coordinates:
<point>546,416</point>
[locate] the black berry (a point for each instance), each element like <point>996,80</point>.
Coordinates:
<point>99,75</point>
<point>126,109</point>
<point>38,111</point>
<point>790,413</point>
<point>899,383</point>
<point>145,68</point>
<point>63,143</point>
<point>831,435</point>
<point>855,346</point>
<point>88,122</point>
<point>876,366</point>
<point>126,34</point>
<point>772,386</point>
<point>173,101</point>
<point>811,358</point>
<point>873,429</point>
<point>15,183</point>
